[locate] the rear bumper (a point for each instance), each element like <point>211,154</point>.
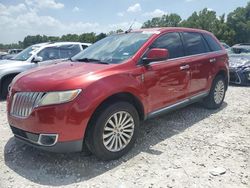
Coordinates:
<point>58,147</point>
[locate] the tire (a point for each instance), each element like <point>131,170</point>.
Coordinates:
<point>217,93</point>
<point>102,132</point>
<point>4,88</point>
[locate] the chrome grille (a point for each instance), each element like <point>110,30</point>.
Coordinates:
<point>23,103</point>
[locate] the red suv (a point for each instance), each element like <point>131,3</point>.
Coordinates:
<point>98,97</point>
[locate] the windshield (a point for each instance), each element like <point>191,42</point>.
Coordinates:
<point>114,49</point>
<point>25,54</point>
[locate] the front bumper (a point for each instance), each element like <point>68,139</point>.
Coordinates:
<point>68,121</point>
<point>239,76</point>
<point>32,139</point>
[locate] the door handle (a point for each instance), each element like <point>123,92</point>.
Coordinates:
<point>184,67</point>
<point>213,60</point>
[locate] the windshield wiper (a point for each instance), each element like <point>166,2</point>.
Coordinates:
<point>90,60</point>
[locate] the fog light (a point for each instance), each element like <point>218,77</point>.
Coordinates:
<point>47,139</point>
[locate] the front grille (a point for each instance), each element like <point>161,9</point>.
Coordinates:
<point>234,78</point>
<point>247,77</point>
<point>23,103</point>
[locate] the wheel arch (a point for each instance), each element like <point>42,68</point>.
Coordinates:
<point>225,75</point>
<point>122,96</point>
<point>6,76</point>
<point>9,75</point>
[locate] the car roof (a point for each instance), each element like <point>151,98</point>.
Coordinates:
<point>241,46</point>
<point>51,44</point>
<point>165,29</point>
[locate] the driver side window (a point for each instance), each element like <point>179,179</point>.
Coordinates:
<point>50,53</point>
<point>172,42</point>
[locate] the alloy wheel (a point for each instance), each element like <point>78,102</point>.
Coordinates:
<point>219,92</point>
<point>118,131</point>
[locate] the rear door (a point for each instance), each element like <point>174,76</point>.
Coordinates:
<point>198,61</point>
<point>166,83</point>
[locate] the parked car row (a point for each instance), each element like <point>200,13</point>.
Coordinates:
<point>11,53</point>
<point>239,61</point>
<point>96,99</point>
<point>2,54</point>
<point>34,56</point>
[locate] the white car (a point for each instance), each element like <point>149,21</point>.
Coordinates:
<point>33,56</point>
<point>50,51</point>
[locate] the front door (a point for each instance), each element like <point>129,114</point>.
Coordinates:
<point>166,82</point>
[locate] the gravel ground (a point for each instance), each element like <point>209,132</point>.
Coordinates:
<point>192,147</point>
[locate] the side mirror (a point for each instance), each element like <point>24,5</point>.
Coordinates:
<point>156,54</point>
<point>37,59</point>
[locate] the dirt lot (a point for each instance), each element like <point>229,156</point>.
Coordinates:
<point>192,147</point>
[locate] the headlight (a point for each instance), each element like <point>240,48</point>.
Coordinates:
<point>247,69</point>
<point>59,97</point>
<point>247,72</point>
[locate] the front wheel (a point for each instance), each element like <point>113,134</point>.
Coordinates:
<point>217,93</point>
<point>113,132</point>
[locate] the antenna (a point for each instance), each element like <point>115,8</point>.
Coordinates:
<point>130,27</point>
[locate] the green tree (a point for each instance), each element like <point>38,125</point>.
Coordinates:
<point>239,21</point>
<point>70,37</point>
<point>115,32</point>
<point>236,29</point>
<point>223,32</point>
<point>87,37</point>
<point>171,20</point>
<point>100,36</point>
<point>208,20</point>
<point>205,19</point>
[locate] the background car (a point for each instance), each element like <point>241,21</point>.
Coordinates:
<point>14,51</point>
<point>33,56</point>
<point>10,54</point>
<point>225,45</point>
<point>239,63</point>
<point>2,54</point>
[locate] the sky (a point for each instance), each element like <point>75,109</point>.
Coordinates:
<point>19,18</point>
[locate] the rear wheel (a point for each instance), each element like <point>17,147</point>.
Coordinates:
<point>217,93</point>
<point>114,131</point>
<point>4,88</point>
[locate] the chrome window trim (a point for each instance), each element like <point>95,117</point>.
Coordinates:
<point>178,58</point>
<point>139,62</point>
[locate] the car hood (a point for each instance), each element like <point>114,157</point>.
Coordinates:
<point>10,63</point>
<point>239,60</point>
<point>58,77</point>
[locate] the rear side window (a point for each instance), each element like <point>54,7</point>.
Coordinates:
<point>194,43</point>
<point>171,42</point>
<point>214,46</point>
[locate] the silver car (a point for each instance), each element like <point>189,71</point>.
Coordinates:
<point>33,56</point>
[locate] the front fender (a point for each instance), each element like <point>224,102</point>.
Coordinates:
<point>96,93</point>
<point>114,84</point>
